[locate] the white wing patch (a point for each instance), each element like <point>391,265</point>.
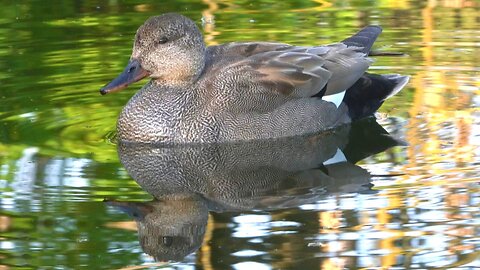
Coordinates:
<point>335,98</point>
<point>337,158</point>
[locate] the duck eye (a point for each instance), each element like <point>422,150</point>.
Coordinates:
<point>167,241</point>
<point>162,40</point>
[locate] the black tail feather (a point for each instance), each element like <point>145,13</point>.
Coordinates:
<point>367,138</point>
<point>364,38</point>
<point>367,94</point>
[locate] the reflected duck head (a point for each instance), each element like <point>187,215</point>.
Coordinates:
<point>168,48</point>
<point>168,229</point>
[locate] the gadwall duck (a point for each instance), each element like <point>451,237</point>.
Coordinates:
<point>242,91</point>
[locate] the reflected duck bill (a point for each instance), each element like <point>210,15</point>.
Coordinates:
<point>137,211</point>
<point>131,74</point>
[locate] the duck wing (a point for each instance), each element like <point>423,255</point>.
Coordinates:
<point>262,75</point>
<point>241,50</point>
<point>363,39</point>
<point>266,80</point>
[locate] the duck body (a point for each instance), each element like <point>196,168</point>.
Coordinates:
<point>159,113</point>
<point>244,91</point>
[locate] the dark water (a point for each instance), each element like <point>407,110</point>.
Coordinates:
<point>271,205</point>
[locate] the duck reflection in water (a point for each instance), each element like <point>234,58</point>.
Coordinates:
<point>189,181</point>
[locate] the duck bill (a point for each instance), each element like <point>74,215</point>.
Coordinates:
<point>136,210</point>
<point>132,73</point>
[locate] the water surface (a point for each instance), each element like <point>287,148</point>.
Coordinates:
<point>412,206</point>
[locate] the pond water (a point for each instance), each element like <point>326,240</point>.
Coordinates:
<point>408,200</point>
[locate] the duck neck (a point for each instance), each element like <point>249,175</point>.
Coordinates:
<point>177,84</point>
<point>185,70</point>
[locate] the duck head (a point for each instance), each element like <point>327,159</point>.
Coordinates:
<point>168,48</point>
<point>170,227</point>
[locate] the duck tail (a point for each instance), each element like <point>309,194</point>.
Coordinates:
<point>364,38</point>
<point>367,94</point>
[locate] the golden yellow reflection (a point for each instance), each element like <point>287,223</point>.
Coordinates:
<point>146,266</point>
<point>204,257</point>
<point>208,19</point>
<point>333,264</point>
<point>124,225</point>
<point>442,98</point>
<point>143,7</point>
<point>451,3</point>
<point>330,221</point>
<point>5,223</point>
<point>322,5</point>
